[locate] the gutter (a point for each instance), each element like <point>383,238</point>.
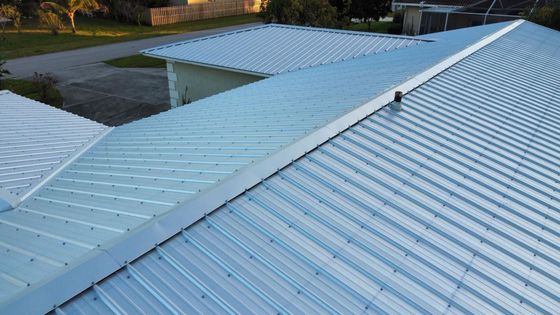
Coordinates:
<point>105,260</point>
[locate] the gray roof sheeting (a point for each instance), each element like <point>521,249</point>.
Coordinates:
<point>450,206</point>
<point>37,139</point>
<point>273,48</point>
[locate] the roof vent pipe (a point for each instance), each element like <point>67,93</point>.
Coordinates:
<point>396,103</point>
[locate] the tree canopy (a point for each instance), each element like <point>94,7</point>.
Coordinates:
<point>300,12</point>
<point>70,7</point>
<point>547,15</point>
<point>324,13</point>
<point>369,10</point>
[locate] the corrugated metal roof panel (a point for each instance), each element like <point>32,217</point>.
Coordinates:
<point>36,139</point>
<point>144,169</point>
<point>273,48</point>
<point>450,206</point>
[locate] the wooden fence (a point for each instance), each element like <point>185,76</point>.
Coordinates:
<point>200,11</point>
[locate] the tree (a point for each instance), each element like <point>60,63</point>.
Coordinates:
<point>547,15</point>
<point>70,7</point>
<point>130,10</point>
<point>342,11</point>
<point>369,10</point>
<point>299,12</point>
<point>11,12</point>
<point>51,21</point>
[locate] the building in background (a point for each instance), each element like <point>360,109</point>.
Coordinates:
<point>430,16</point>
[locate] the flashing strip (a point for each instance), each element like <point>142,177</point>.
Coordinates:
<point>102,262</point>
<point>9,198</point>
<point>76,154</point>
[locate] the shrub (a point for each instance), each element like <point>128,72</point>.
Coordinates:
<point>395,29</point>
<point>45,85</point>
<point>51,21</point>
<point>3,72</point>
<point>547,15</point>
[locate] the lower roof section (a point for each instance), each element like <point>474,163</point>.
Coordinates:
<point>273,49</point>
<point>36,140</point>
<point>110,205</point>
<point>450,206</point>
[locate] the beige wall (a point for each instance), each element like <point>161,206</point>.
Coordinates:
<point>202,81</point>
<point>411,20</point>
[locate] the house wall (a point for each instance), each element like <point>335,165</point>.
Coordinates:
<point>201,81</point>
<point>411,20</point>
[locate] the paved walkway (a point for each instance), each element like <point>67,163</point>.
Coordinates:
<point>24,67</point>
<point>113,96</point>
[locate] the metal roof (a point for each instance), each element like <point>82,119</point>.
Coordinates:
<point>272,49</point>
<point>450,206</point>
<point>84,223</point>
<point>36,140</point>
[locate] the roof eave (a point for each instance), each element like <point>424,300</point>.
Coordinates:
<point>207,65</point>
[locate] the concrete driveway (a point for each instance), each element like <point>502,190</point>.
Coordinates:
<point>109,95</point>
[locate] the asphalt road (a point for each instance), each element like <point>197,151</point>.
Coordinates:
<point>26,66</point>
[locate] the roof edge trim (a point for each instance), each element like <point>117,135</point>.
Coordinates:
<point>209,65</point>
<point>112,256</point>
<point>71,158</point>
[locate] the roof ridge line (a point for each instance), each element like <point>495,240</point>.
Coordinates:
<point>194,40</point>
<point>71,158</point>
<point>15,200</point>
<point>128,247</point>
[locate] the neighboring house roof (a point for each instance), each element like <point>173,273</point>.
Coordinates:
<point>272,49</point>
<point>36,140</point>
<point>144,171</point>
<point>450,206</point>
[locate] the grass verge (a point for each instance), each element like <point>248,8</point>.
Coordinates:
<point>136,61</point>
<point>30,90</point>
<point>36,40</point>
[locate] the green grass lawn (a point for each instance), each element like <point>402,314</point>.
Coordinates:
<point>136,61</point>
<point>376,27</point>
<point>35,40</point>
<point>29,90</point>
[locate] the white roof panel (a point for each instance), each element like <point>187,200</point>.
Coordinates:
<point>36,140</point>
<point>273,48</point>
